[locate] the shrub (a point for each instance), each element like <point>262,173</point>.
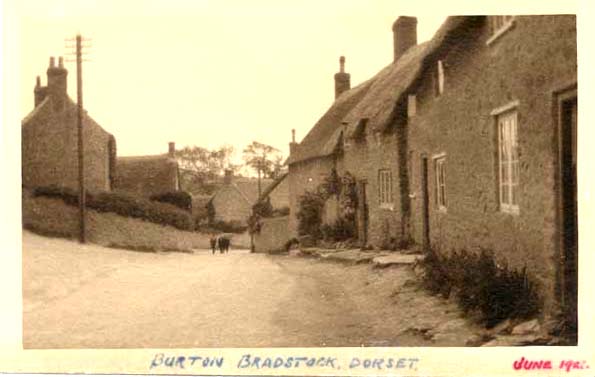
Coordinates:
<point>123,204</point>
<point>341,230</point>
<point>279,212</point>
<point>180,199</point>
<point>497,293</point>
<point>309,214</point>
<point>263,208</point>
<point>227,226</point>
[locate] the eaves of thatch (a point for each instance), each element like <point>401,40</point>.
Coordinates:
<point>372,105</point>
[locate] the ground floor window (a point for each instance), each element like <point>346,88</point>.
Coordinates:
<point>385,187</point>
<point>508,161</point>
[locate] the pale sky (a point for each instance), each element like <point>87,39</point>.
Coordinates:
<point>212,72</point>
<point>209,72</point>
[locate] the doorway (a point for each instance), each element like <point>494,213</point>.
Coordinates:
<point>568,211</point>
<point>362,213</point>
<point>425,204</point>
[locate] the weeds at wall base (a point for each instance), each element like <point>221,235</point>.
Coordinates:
<point>479,285</point>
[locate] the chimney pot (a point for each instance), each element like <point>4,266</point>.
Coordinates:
<point>37,82</point>
<point>60,62</point>
<point>404,35</point>
<point>172,149</point>
<point>52,62</point>
<point>342,79</point>
<point>293,135</point>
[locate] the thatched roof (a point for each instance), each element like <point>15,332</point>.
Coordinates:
<point>394,83</point>
<point>146,175</point>
<point>375,100</point>
<point>319,141</point>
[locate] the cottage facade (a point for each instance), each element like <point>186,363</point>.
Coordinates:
<point>50,140</point>
<point>234,200</point>
<point>467,141</point>
<point>148,175</point>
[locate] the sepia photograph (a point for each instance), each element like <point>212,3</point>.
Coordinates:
<point>277,175</point>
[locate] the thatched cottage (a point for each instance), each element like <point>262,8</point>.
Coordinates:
<point>467,141</point>
<point>148,175</point>
<point>50,139</point>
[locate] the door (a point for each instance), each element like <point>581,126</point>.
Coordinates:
<point>568,212</point>
<point>425,204</point>
<point>362,213</point>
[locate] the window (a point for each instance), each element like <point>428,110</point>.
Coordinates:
<point>440,76</point>
<point>508,161</point>
<point>385,187</point>
<point>440,174</point>
<point>498,26</point>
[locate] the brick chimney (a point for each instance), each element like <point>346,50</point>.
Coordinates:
<point>404,35</point>
<point>228,176</point>
<point>342,79</point>
<point>39,92</point>
<point>172,149</point>
<point>293,144</point>
<point>57,82</point>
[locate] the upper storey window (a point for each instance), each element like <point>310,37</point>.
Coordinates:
<point>439,78</point>
<point>499,25</point>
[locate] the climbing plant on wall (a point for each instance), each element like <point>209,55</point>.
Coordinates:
<point>311,206</point>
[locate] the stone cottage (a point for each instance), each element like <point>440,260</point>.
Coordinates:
<point>148,175</point>
<point>50,139</point>
<point>234,200</point>
<point>466,141</point>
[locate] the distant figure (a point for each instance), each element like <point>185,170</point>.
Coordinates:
<point>223,242</point>
<point>213,241</point>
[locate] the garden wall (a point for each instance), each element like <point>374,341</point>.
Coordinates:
<point>52,217</point>
<point>273,235</point>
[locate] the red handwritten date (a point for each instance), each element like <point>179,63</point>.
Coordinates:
<point>567,365</point>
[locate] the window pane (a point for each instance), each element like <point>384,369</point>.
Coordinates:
<point>505,194</point>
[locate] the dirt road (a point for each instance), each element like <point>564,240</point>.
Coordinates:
<point>94,297</point>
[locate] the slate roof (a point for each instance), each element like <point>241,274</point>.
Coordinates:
<point>375,99</point>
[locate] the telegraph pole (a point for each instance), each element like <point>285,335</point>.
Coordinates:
<point>81,145</point>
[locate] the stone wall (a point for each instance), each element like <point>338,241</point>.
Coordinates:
<point>273,235</point>
<point>50,149</point>
<point>53,217</point>
<point>527,64</point>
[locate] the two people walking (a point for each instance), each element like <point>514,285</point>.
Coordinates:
<point>221,242</point>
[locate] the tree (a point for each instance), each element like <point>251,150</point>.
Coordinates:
<point>264,159</point>
<point>200,168</point>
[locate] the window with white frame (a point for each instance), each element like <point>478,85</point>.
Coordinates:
<point>508,161</point>
<point>440,174</point>
<point>385,187</point>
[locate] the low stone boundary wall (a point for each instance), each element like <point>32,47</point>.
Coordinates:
<point>273,235</point>
<point>52,217</point>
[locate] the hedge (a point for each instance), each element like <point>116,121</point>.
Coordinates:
<point>123,204</point>
<point>180,199</point>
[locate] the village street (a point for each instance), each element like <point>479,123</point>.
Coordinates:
<point>96,297</point>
